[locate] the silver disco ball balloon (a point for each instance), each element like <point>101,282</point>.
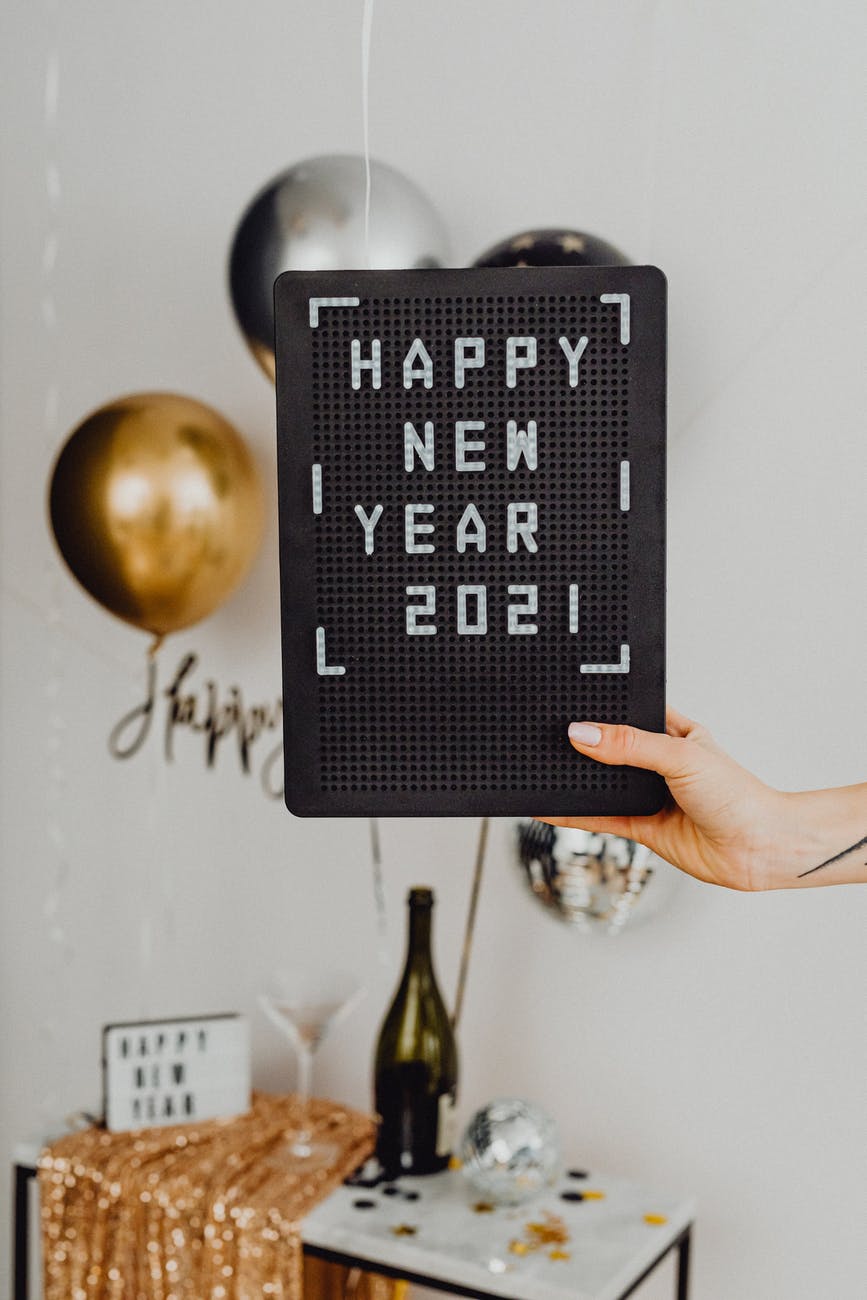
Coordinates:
<point>596,883</point>
<point>312,218</point>
<point>509,1151</point>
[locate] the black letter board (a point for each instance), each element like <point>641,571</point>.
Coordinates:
<point>472,536</point>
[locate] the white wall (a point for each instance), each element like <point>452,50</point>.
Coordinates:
<point>720,1050</point>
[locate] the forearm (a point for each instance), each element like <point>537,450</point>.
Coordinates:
<point>825,839</point>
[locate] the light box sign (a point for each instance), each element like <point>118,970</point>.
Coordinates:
<point>472,536</point>
<point>162,1072</point>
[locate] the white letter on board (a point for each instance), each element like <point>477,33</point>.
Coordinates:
<point>368,523</point>
<point>373,363</point>
<point>411,529</point>
<point>411,372</point>
<point>412,444</point>
<point>515,360</point>
<point>463,445</point>
<point>480,627</point>
<point>574,606</point>
<point>530,606</point>
<point>521,442</point>
<point>573,356</point>
<point>469,355</point>
<point>415,612</point>
<point>523,527</point>
<point>476,537</point>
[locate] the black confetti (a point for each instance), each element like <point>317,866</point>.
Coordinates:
<point>391,1191</point>
<point>571,1196</point>
<point>364,1205</point>
<point>411,1196</point>
<point>578,1173</point>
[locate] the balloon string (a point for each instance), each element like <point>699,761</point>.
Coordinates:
<point>60,950</point>
<point>157,908</point>
<point>481,849</point>
<point>660,43</point>
<point>150,840</point>
<point>154,647</point>
<point>366,30</point>
<point>378,891</point>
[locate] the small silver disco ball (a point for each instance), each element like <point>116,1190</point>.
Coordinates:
<point>510,1151</point>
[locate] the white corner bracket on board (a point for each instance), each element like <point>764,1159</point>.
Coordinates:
<point>623,300</point>
<point>316,303</point>
<point>622,667</point>
<point>624,485</point>
<point>323,667</point>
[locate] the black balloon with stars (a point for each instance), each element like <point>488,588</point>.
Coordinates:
<point>553,248</point>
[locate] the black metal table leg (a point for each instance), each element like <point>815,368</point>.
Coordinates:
<point>683,1264</point>
<point>21,1231</point>
<point>681,1281</point>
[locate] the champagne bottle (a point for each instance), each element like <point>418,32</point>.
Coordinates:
<point>416,1068</point>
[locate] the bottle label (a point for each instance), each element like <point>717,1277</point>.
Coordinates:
<point>445,1125</point>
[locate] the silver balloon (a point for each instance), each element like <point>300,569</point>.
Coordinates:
<point>311,218</point>
<point>598,883</point>
<point>510,1151</point>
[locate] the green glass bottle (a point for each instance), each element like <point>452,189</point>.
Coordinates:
<point>416,1067</point>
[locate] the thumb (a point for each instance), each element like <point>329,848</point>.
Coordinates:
<point>670,756</point>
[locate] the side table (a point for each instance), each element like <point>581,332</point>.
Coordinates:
<point>597,1238</point>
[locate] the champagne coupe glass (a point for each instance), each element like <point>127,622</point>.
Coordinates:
<point>305,1004</point>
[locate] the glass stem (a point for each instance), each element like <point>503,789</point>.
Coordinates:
<point>305,1072</point>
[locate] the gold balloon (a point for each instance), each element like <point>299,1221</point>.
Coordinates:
<point>156,507</point>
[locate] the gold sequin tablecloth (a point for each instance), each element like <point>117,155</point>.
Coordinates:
<point>208,1211</point>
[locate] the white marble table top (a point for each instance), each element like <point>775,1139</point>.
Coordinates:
<point>610,1245</point>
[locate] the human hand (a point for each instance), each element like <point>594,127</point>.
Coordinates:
<point>721,824</point>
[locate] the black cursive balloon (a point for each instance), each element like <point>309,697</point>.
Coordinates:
<point>553,248</point>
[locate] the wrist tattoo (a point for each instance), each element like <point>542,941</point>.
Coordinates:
<point>836,858</point>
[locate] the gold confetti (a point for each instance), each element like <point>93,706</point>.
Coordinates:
<point>404,1230</point>
<point>593,1196</point>
<point>455,1162</point>
<point>483,1207</point>
<point>553,1230</point>
<point>656,1219</point>
<point>559,1254</point>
